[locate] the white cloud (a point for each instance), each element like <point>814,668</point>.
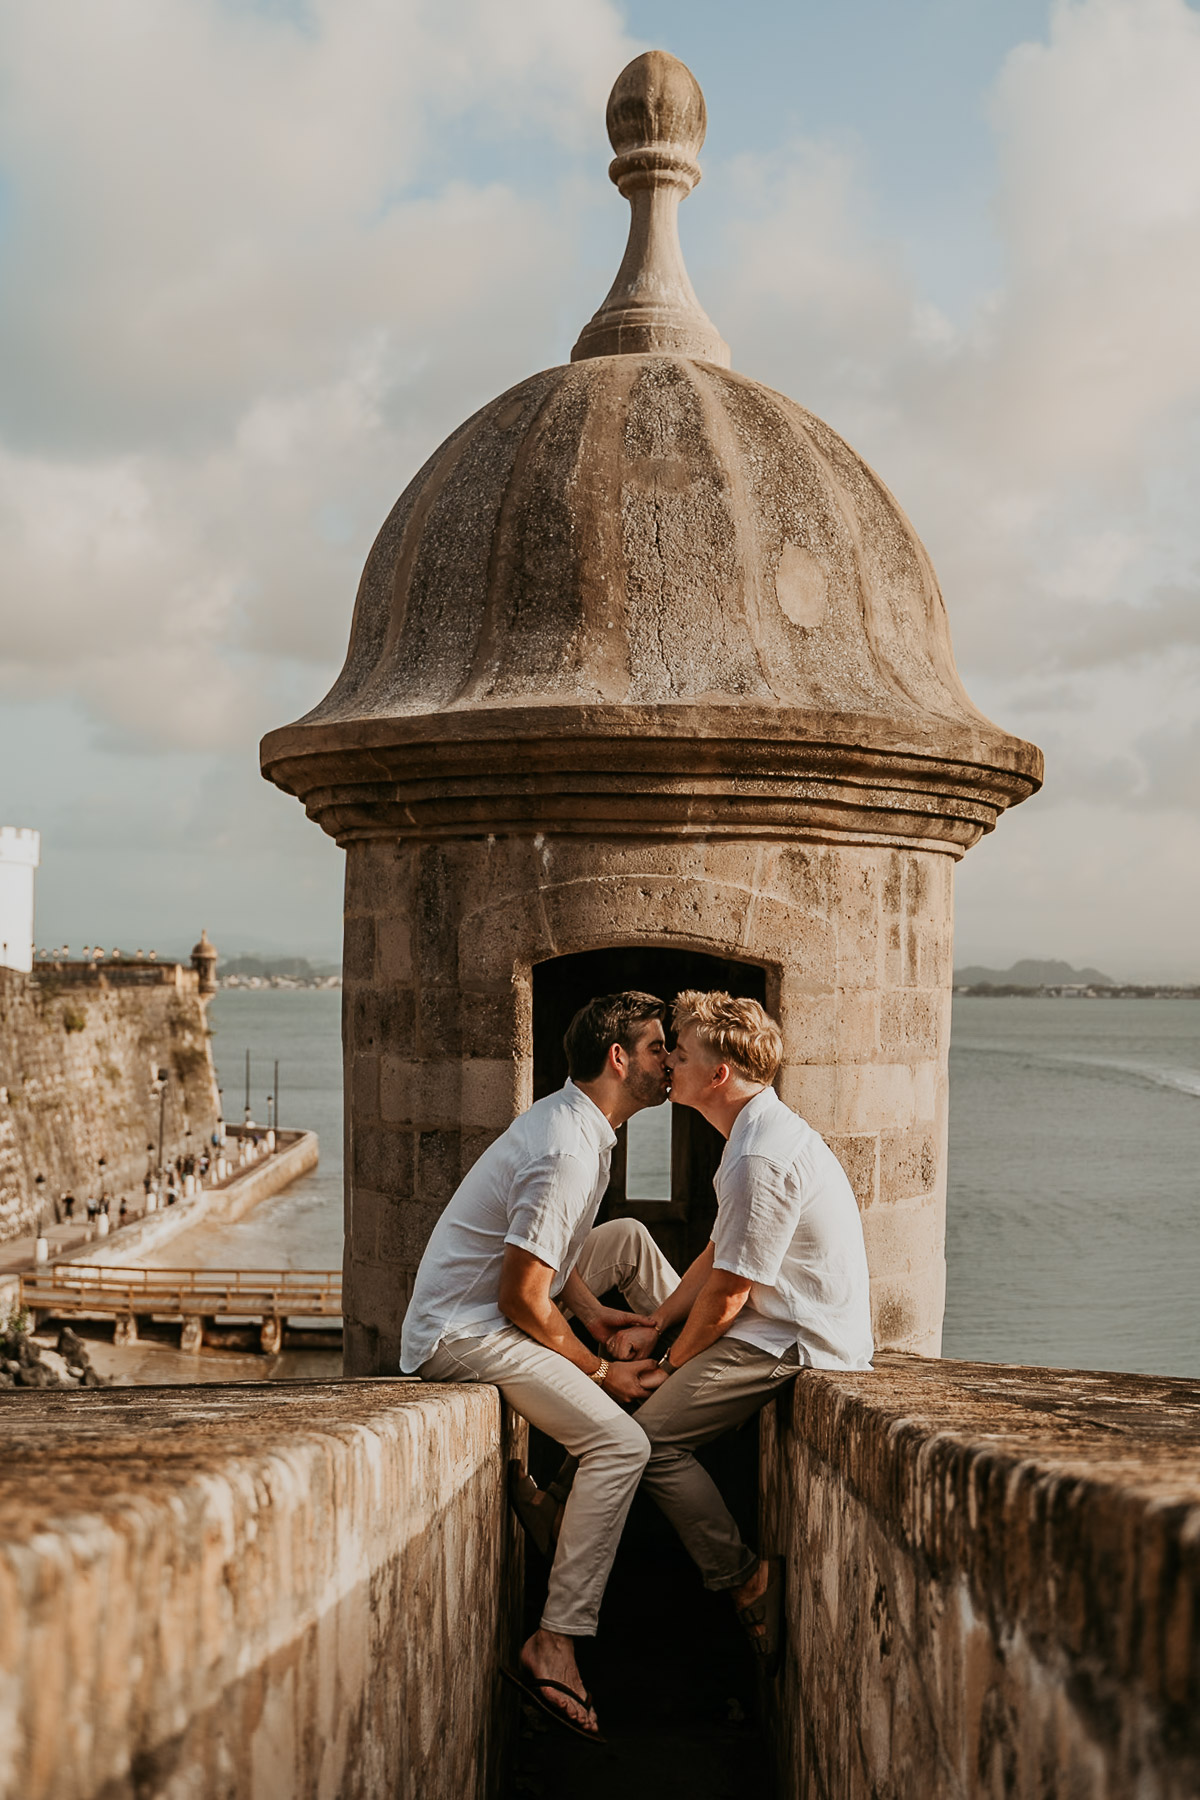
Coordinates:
<point>1045,448</point>
<point>243,297</point>
<point>252,273</point>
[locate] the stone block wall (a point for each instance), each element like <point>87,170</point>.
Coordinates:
<point>441,939</point>
<point>292,1592</point>
<point>77,1063</point>
<point>993,1584</point>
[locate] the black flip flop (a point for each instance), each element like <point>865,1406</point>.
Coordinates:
<point>529,1685</point>
<point>766,1611</point>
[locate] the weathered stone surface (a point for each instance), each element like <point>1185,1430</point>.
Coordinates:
<point>268,1593</point>
<point>993,1585</point>
<point>78,1052</point>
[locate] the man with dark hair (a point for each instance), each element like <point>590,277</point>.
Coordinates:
<point>517,1235</point>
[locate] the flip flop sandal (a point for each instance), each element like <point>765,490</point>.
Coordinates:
<point>530,1686</point>
<point>767,1612</point>
<point>537,1511</point>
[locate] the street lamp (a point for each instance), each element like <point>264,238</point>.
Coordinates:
<point>163,1077</point>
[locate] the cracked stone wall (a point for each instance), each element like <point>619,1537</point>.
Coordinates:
<point>993,1584</point>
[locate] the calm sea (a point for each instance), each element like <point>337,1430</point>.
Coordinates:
<point>1073,1235</point>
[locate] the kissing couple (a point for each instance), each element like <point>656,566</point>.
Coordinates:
<point>781,1286</point>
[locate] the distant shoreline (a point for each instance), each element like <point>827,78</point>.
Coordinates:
<point>255,983</point>
<point>1127,990</point>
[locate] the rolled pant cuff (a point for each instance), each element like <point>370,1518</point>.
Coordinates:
<point>717,1584</point>
<point>572,1630</point>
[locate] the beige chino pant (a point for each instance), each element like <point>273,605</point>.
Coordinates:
<point>560,1400</point>
<point>714,1392</point>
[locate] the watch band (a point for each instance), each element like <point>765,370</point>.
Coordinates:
<point>599,1375</point>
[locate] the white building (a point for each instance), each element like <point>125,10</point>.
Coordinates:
<point>20,853</point>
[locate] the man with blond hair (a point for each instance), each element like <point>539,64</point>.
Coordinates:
<point>781,1286</point>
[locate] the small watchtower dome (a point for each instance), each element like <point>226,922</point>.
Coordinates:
<point>649,683</point>
<point>204,961</point>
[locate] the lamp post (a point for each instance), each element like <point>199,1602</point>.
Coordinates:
<point>163,1076</point>
<point>41,1248</point>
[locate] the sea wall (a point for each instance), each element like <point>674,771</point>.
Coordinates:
<point>284,1592</point>
<point>296,1153</point>
<point>79,1052</point>
<point>993,1584</point>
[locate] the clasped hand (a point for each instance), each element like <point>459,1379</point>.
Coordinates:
<point>626,1340</point>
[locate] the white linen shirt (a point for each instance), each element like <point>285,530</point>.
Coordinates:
<point>787,1220</point>
<point>539,1186</point>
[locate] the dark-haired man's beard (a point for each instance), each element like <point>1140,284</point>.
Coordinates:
<point>647,1086</point>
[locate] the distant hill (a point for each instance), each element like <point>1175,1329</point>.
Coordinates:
<point>298,967</point>
<point>1031,973</point>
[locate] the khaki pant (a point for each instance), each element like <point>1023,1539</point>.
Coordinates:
<point>711,1394</point>
<point>560,1400</point>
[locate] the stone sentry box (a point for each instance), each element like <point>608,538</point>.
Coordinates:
<point>650,672</point>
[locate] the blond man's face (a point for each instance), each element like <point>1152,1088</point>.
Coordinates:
<point>691,1069</point>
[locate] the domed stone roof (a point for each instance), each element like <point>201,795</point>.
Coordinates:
<point>641,589</point>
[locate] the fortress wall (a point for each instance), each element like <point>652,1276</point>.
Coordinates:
<point>297,1153</point>
<point>285,1592</point>
<point>78,1054</point>
<point>993,1585</point>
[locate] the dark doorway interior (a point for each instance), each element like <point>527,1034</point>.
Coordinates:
<point>680,1225</point>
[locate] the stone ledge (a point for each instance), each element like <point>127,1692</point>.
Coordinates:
<point>253,1591</point>
<point>1002,1566</point>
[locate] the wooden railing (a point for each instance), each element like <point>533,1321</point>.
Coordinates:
<point>183,1293</point>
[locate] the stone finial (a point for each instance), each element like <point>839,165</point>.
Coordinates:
<point>656,123</point>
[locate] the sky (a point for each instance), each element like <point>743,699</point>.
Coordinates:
<point>257,260</point>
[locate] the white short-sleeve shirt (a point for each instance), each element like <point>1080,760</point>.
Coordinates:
<point>539,1186</point>
<point>787,1220</point>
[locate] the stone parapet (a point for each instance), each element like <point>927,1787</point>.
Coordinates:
<point>264,1592</point>
<point>297,1154</point>
<point>993,1583</point>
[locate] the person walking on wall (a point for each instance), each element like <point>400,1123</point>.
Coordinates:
<point>517,1236</point>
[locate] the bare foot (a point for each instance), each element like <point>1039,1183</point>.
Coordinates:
<point>551,1657</point>
<point>749,1592</point>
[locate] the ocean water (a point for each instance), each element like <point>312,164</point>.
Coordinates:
<point>1073,1231</point>
<point>300,1228</point>
<point>1073,1216</point>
